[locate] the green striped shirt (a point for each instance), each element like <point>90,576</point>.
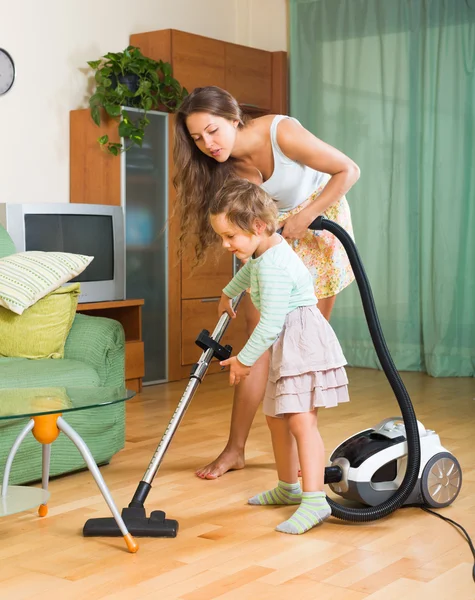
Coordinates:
<point>279,283</point>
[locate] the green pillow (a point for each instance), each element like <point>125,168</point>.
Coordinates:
<point>26,277</point>
<point>41,331</point>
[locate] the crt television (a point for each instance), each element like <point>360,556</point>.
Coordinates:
<point>93,229</point>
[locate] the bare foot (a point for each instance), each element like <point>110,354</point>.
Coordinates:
<point>228,460</point>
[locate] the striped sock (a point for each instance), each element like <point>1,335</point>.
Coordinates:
<point>313,509</point>
<point>284,493</point>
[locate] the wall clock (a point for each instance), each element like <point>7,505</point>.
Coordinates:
<point>7,71</point>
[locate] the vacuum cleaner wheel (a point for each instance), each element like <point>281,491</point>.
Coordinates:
<point>441,480</point>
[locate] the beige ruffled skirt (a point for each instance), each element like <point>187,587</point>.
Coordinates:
<point>306,366</point>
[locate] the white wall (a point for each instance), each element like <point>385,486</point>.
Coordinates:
<point>50,42</point>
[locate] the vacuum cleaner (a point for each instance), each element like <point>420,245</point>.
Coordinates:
<point>374,461</point>
<point>395,463</point>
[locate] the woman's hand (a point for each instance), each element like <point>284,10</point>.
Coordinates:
<point>226,306</point>
<point>296,227</point>
<point>237,370</point>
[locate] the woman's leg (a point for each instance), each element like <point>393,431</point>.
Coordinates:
<point>285,449</point>
<point>247,396</point>
<point>326,305</point>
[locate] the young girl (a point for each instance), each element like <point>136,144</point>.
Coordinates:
<point>306,361</point>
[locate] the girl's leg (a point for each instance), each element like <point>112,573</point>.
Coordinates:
<point>326,305</point>
<point>247,396</point>
<point>311,451</point>
<point>314,508</point>
<point>286,459</point>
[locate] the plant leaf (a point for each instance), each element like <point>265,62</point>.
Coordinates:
<point>166,68</point>
<point>125,129</point>
<point>96,115</point>
<point>95,100</point>
<point>113,110</point>
<point>103,139</point>
<point>113,56</point>
<point>94,64</point>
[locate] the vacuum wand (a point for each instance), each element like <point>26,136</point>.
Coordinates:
<point>134,515</point>
<point>197,376</point>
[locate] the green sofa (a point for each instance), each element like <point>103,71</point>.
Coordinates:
<point>94,357</point>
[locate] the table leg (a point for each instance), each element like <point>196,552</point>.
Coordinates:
<point>11,455</point>
<point>46,455</point>
<point>91,463</point>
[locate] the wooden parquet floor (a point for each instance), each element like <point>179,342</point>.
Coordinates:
<point>229,550</point>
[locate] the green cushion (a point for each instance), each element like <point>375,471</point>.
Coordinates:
<point>99,342</point>
<point>21,372</point>
<point>6,244</point>
<point>41,331</point>
<point>27,277</point>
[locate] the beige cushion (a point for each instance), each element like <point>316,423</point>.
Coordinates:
<point>26,277</point>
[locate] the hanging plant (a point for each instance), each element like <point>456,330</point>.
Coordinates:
<point>129,78</point>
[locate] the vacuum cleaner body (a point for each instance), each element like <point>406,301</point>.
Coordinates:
<point>373,464</point>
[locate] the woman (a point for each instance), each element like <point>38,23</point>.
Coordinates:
<point>304,175</point>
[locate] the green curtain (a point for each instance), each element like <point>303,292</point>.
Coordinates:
<point>392,84</point>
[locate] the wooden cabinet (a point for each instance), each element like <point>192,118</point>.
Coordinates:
<point>208,280</point>
<point>280,83</point>
<point>136,180</point>
<point>129,314</point>
<point>249,76</point>
<point>258,80</point>
<point>203,314</point>
<point>94,175</point>
<point>196,60</point>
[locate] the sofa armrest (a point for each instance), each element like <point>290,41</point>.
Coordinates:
<point>100,342</point>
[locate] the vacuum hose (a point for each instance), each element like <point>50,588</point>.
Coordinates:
<point>407,410</point>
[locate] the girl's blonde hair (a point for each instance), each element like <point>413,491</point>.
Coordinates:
<point>243,202</point>
<point>199,177</point>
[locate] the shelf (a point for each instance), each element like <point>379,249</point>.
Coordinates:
<point>82,306</point>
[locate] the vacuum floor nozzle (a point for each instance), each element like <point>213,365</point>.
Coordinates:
<point>137,523</point>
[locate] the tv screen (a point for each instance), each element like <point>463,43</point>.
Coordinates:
<point>79,234</point>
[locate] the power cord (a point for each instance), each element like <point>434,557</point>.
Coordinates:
<point>467,537</point>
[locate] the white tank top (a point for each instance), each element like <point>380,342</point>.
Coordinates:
<point>291,183</point>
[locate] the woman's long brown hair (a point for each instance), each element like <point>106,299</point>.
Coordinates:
<point>199,177</point>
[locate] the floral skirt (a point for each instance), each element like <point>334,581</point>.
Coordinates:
<point>321,252</point>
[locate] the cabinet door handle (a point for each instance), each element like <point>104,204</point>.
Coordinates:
<point>209,299</point>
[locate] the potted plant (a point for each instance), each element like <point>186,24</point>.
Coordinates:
<point>129,78</point>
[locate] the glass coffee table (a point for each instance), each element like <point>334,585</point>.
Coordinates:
<point>45,407</point>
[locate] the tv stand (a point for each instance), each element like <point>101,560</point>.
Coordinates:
<point>129,314</point>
